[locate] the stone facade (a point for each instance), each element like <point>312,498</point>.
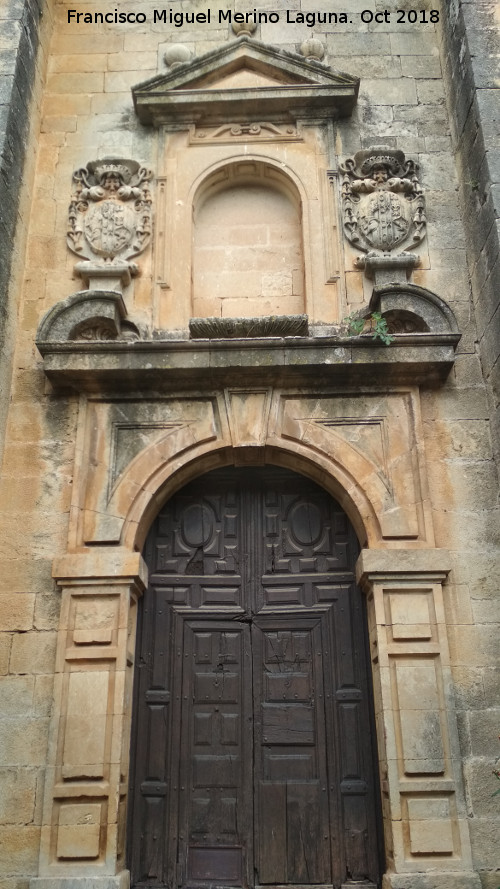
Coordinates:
<point>218,193</point>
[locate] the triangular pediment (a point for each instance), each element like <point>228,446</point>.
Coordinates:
<point>247,77</point>
<point>244,78</point>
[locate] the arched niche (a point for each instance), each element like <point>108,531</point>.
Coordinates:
<point>248,258</point>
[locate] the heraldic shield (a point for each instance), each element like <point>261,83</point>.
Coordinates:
<point>383,203</point>
<point>110,213</point>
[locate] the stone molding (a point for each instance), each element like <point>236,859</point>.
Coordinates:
<point>418,357</point>
<point>297,87</point>
<point>379,564</point>
<point>116,881</point>
<point>100,564</point>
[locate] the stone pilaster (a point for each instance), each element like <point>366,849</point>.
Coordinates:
<point>84,811</point>
<point>423,801</point>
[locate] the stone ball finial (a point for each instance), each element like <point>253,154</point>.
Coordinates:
<point>243,29</point>
<point>313,49</point>
<point>176,54</point>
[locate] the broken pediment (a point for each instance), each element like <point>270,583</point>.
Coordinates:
<point>245,79</point>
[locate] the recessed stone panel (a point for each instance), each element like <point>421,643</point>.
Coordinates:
<point>94,619</point>
<point>430,826</point>
<point>421,735</point>
<point>85,725</point>
<point>409,615</point>
<point>79,830</point>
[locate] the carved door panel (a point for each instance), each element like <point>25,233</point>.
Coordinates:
<point>291,778</point>
<point>252,761</point>
<point>214,776</point>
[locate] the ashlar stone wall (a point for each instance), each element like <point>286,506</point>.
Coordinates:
<point>87,113</point>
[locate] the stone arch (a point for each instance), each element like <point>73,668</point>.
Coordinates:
<point>367,460</point>
<point>248,241</point>
<point>146,499</point>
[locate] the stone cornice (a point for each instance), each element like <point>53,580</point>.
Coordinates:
<point>298,88</point>
<point>160,364</point>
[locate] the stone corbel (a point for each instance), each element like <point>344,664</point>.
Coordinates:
<point>423,802</point>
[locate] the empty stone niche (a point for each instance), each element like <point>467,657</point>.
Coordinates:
<point>248,257</point>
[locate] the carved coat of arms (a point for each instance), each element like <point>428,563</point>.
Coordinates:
<point>382,202</point>
<point>110,215</point>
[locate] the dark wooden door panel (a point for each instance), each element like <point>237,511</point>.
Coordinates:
<point>291,783</point>
<point>215,779</point>
<point>252,761</point>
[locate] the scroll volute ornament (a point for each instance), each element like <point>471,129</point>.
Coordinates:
<point>383,208</point>
<point>109,220</point>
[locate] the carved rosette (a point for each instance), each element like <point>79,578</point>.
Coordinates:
<point>109,220</point>
<point>383,209</point>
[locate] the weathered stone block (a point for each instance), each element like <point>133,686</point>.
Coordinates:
<point>491,684</point>
<point>484,838</point>
<point>482,786</point>
<point>47,608</point>
<point>19,850</point>
<point>17,795</point>
<point>33,653</point>
<point>16,695</point>
<point>389,92</point>
<point>414,43</point>
<point>5,645</point>
<point>484,732</point>
<point>43,696</point>
<point>16,611</point>
<point>469,688</point>
<point>23,742</point>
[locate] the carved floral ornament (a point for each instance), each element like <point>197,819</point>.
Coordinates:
<point>109,218</point>
<point>383,207</point>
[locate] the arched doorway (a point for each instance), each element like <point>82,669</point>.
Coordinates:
<point>252,752</point>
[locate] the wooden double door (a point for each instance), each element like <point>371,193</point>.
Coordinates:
<point>252,756</point>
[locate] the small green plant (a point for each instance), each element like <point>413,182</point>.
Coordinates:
<point>377,326</point>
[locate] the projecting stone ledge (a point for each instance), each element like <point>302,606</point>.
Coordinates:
<point>158,365</point>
